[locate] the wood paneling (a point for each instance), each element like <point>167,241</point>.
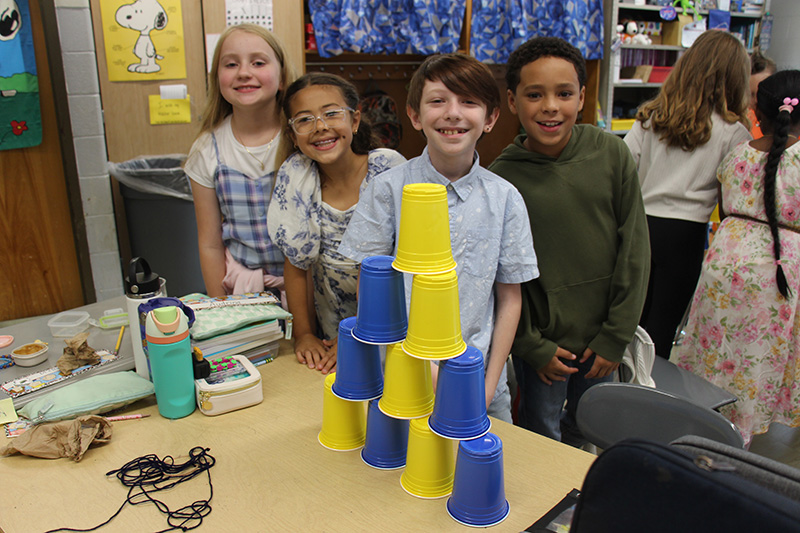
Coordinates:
<point>287,17</point>
<point>38,263</point>
<point>126,110</point>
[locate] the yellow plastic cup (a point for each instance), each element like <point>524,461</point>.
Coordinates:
<point>423,243</point>
<point>344,423</point>
<point>430,463</point>
<point>434,320</point>
<point>407,385</point>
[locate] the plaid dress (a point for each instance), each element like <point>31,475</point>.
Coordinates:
<point>243,202</point>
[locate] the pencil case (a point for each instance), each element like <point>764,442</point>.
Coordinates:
<point>234,383</point>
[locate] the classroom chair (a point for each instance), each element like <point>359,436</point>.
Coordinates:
<point>610,412</point>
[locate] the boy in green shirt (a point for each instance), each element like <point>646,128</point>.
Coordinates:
<point>581,190</point>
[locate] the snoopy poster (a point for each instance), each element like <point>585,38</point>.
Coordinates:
<point>20,115</point>
<point>143,39</point>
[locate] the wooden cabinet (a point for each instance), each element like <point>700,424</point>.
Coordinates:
<point>622,88</point>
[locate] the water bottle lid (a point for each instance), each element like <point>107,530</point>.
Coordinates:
<point>167,319</point>
<point>141,280</point>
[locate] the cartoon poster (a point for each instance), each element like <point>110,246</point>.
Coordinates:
<point>143,39</point>
<point>20,116</point>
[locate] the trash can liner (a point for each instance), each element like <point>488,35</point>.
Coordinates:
<point>162,175</point>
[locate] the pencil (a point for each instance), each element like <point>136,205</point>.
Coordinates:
<point>119,340</point>
<point>125,417</point>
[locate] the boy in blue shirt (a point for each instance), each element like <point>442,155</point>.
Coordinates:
<point>453,100</point>
<point>582,192</point>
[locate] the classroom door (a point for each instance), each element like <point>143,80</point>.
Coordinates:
<point>38,263</point>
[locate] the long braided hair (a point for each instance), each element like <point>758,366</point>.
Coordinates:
<point>777,118</point>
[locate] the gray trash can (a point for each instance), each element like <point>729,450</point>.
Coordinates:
<point>161,222</point>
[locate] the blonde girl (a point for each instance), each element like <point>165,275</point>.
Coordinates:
<point>678,140</point>
<point>233,162</point>
<point>316,191</point>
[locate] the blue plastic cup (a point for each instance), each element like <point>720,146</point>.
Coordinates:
<point>359,375</point>
<point>381,316</point>
<point>387,440</point>
<point>479,496</point>
<point>459,411</point>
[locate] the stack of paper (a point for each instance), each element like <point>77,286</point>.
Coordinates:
<point>255,342</point>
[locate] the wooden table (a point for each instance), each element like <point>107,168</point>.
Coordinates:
<point>271,473</point>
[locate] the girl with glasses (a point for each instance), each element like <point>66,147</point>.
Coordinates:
<point>315,195</point>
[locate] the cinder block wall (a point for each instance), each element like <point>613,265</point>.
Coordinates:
<point>86,114</point>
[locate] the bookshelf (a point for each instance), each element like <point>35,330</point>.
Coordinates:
<point>623,87</point>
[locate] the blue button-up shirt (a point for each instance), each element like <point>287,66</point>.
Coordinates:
<point>489,232</point>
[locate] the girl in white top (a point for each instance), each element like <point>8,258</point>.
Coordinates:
<point>678,140</point>
<point>233,162</point>
<point>316,192</point>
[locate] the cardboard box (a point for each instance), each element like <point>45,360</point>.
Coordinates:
<point>672,31</point>
<point>643,72</point>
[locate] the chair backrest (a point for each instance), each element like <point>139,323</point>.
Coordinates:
<point>610,412</point>
<point>638,359</point>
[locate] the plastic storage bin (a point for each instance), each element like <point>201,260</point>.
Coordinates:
<point>68,323</point>
<point>161,223</point>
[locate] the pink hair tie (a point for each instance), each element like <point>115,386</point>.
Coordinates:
<point>788,104</point>
<point>778,262</point>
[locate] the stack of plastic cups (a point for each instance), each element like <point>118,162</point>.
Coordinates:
<point>381,320</point>
<point>434,333</point>
<point>479,498</point>
<point>358,378</point>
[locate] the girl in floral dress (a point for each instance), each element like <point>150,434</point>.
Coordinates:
<point>743,332</point>
<point>315,195</point>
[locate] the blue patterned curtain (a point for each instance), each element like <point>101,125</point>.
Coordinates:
<point>500,26</point>
<point>387,26</point>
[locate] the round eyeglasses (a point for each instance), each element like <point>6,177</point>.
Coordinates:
<point>305,124</point>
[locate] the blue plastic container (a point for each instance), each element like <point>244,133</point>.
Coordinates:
<point>170,353</point>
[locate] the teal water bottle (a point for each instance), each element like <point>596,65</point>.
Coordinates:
<point>170,354</point>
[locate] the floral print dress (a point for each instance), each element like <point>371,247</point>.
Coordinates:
<point>742,335</point>
<point>308,232</point>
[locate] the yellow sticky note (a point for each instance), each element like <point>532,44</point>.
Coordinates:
<point>7,412</point>
<point>172,111</point>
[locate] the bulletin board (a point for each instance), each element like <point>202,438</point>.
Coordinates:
<point>126,104</point>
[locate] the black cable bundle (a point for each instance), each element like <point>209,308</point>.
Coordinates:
<point>150,474</point>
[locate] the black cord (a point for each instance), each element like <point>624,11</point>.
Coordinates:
<point>150,472</point>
